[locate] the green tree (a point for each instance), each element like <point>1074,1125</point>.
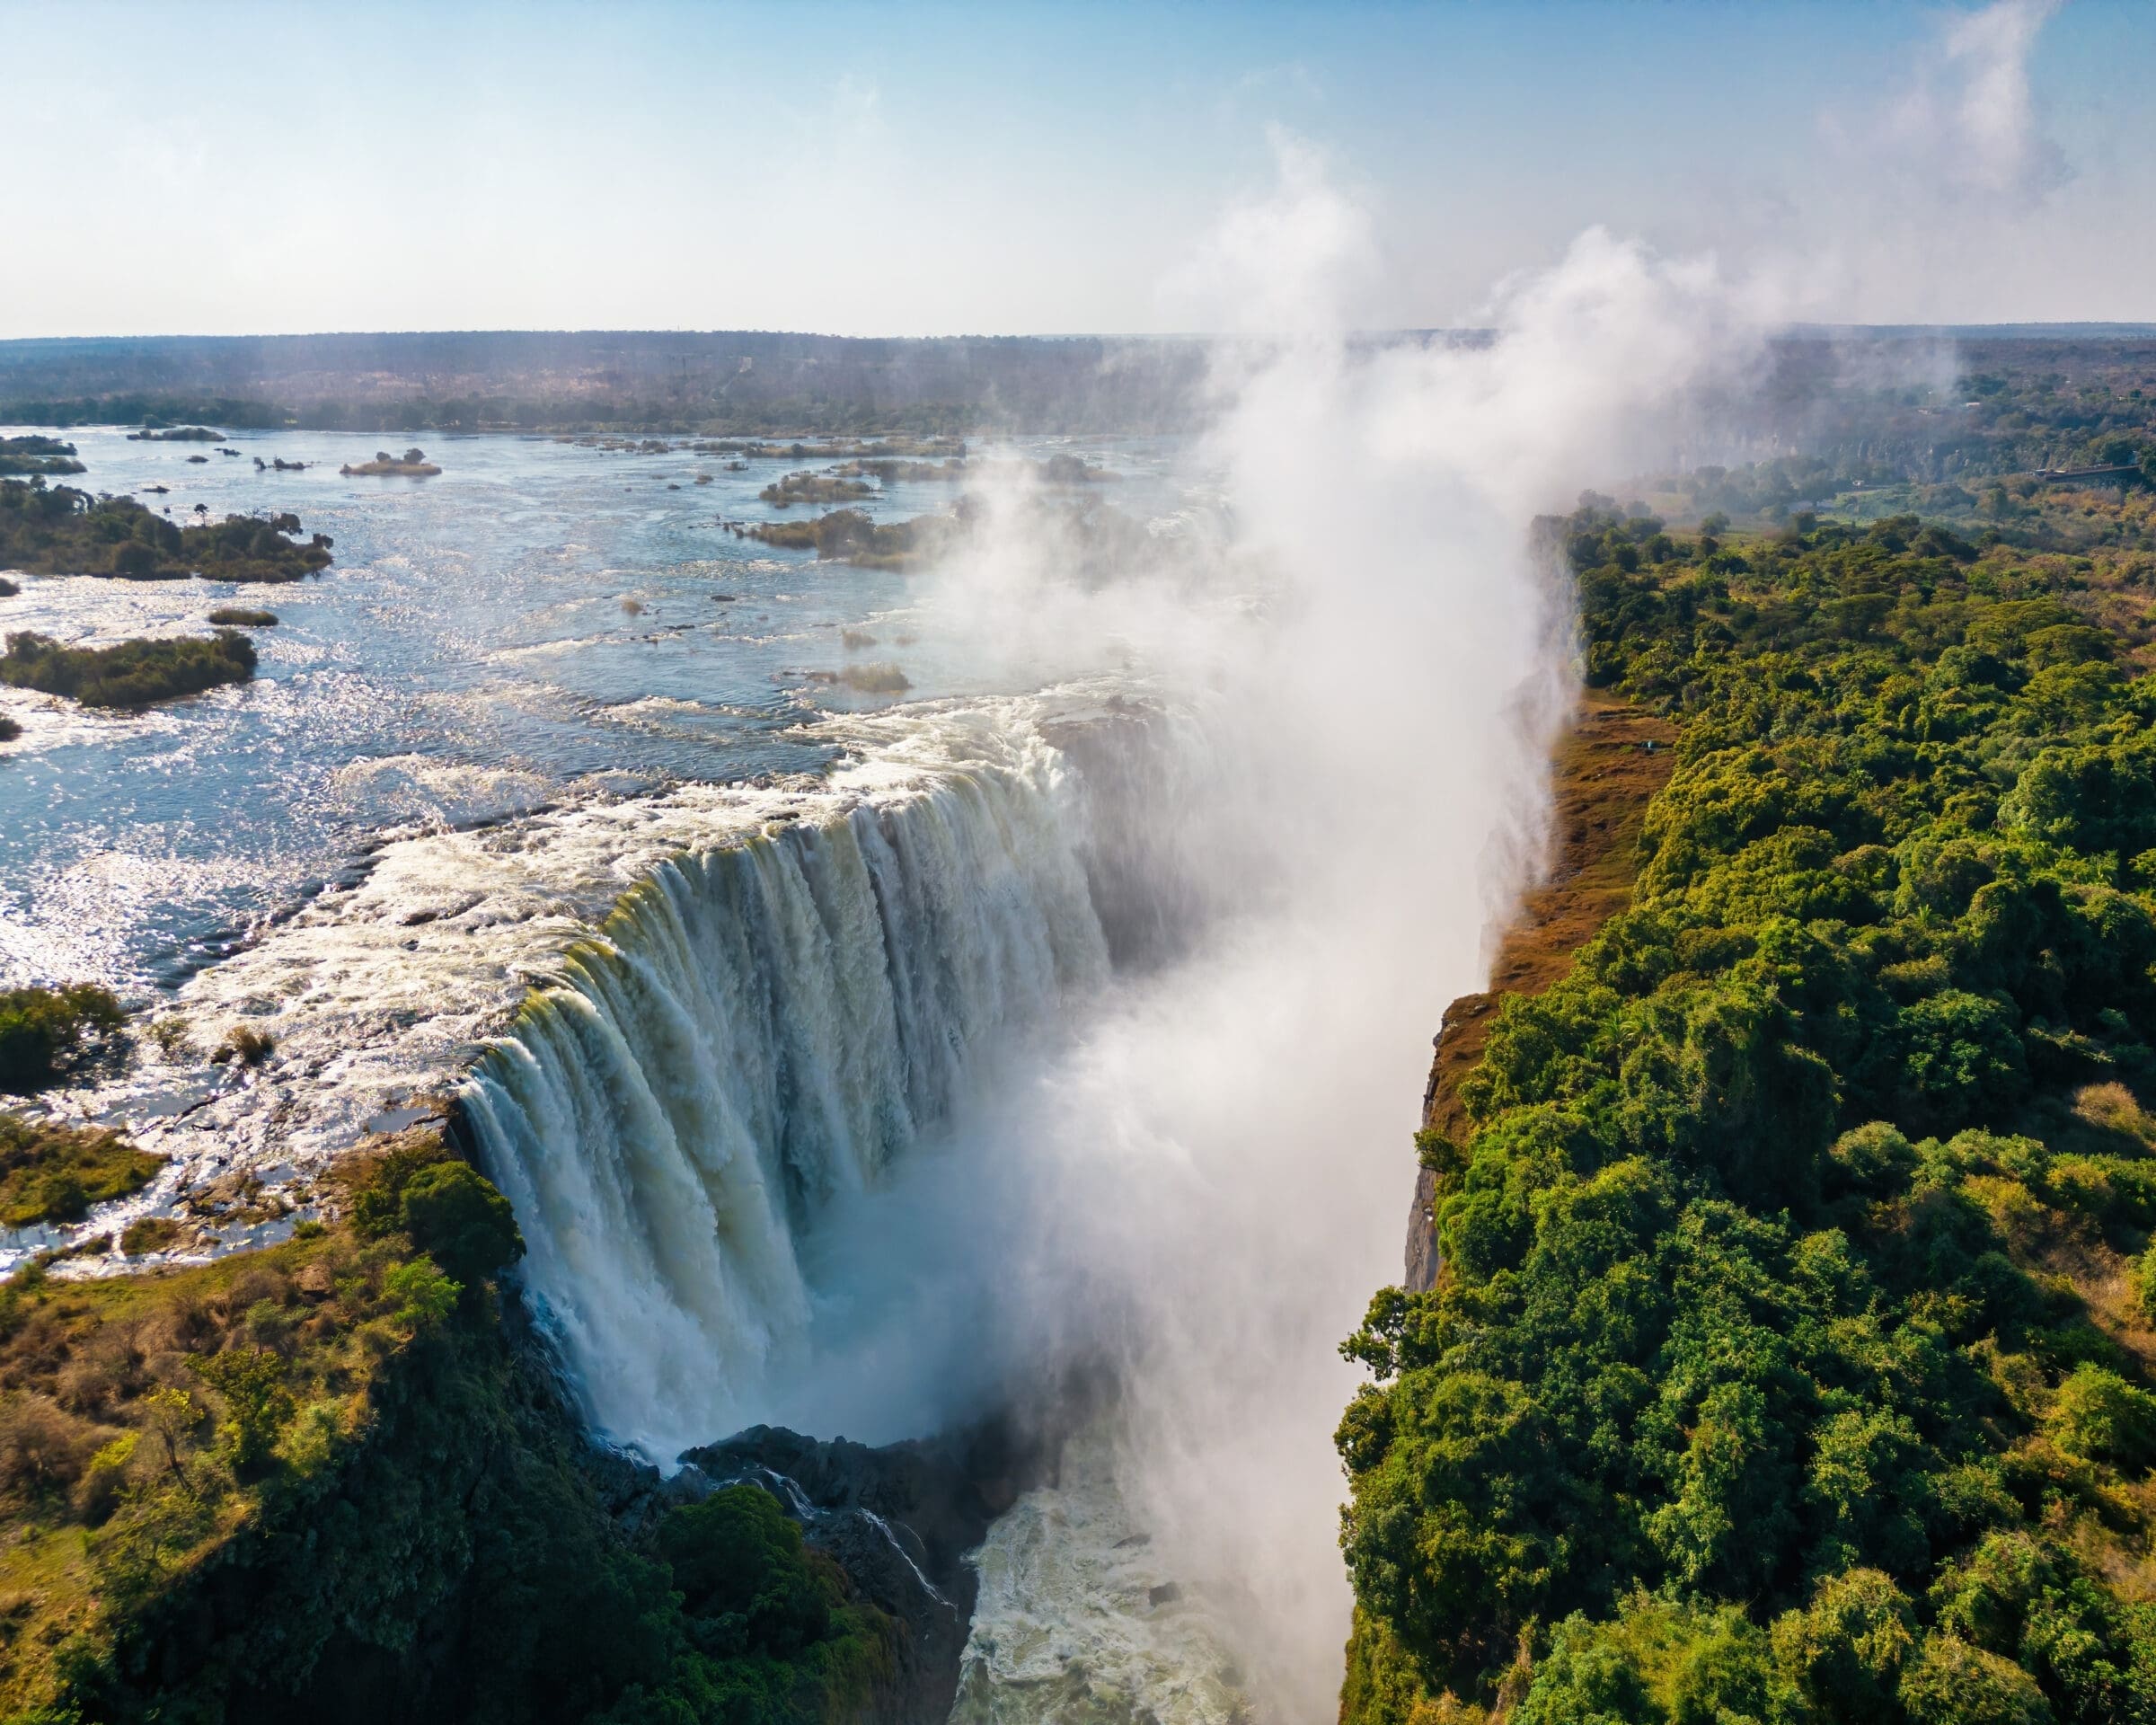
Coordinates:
<point>453,1213</point>
<point>250,1382</point>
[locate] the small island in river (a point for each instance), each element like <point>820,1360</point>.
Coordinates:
<point>36,454</point>
<point>813,488</point>
<point>176,434</point>
<point>412,465</point>
<point>849,536</point>
<point>63,531</point>
<point>133,674</point>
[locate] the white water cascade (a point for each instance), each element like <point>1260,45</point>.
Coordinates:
<point>755,1032</point>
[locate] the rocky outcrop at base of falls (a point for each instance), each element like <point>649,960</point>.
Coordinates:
<point>900,1520</point>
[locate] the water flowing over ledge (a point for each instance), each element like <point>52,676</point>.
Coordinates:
<point>383,991</point>
<point>756,1031</point>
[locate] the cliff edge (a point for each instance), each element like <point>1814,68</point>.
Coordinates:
<point>1611,760</point>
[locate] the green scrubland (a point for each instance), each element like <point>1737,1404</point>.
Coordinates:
<point>1790,1358</point>
<point>320,1480</point>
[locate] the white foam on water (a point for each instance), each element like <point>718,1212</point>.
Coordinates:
<point>1078,1620</point>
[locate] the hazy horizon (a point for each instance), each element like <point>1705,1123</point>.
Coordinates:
<point>1041,169</point>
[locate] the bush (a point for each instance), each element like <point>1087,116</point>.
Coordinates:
<point>424,1296</point>
<point>738,1562</point>
<point>241,617</point>
<point>148,1234</point>
<point>1846,1649</point>
<point>1955,1684</point>
<point>41,1029</point>
<point>246,1045</point>
<point>251,1383</point>
<point>98,1492</point>
<point>42,1449</point>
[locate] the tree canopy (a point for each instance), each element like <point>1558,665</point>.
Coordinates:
<point>1786,1361</point>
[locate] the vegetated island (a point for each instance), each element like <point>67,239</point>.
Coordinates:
<point>241,617</point>
<point>51,1172</point>
<point>132,674</point>
<point>36,454</point>
<point>176,434</point>
<point>412,465</point>
<point>1788,1346</point>
<point>45,1031</point>
<point>813,488</point>
<point>811,450</point>
<point>1095,542</point>
<point>62,531</point>
<point>850,536</point>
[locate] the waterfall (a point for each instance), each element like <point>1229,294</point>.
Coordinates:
<point>753,1031</point>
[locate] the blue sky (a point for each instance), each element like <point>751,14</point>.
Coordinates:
<point>1021,168</point>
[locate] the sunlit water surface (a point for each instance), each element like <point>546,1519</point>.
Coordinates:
<point>542,620</point>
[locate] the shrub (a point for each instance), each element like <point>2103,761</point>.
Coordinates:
<point>424,1295</point>
<point>105,1478</point>
<point>875,679</point>
<point>42,1028</point>
<point>246,1045</point>
<point>2141,1279</point>
<point>1955,1684</point>
<point>243,617</point>
<point>1846,1649</point>
<point>148,1234</point>
<point>42,1448</point>
<point>739,1560</point>
<point>375,1182</point>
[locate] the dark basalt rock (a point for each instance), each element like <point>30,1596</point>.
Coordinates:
<point>900,1520</point>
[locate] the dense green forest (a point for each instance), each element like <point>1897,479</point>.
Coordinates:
<point>1790,1357</point>
<point>60,530</point>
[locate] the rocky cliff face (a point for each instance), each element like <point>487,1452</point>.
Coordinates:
<point>900,1520</point>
